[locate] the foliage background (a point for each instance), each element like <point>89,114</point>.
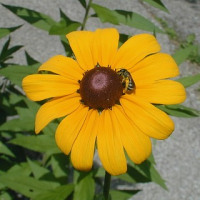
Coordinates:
<point>177,158</point>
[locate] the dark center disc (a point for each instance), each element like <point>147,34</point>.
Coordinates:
<point>101,88</point>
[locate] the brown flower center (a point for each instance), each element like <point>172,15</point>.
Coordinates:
<point>101,88</point>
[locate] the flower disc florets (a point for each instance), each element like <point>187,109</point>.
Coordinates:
<point>101,88</point>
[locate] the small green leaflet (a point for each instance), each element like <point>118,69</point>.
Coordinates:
<point>5,150</point>
<point>157,4</point>
<point>16,73</point>
<point>38,171</point>
<point>122,194</point>
<point>179,110</point>
<point>6,31</point>
<point>182,54</point>
<point>59,193</point>
<point>85,187</point>
<point>189,80</point>
<point>26,185</point>
<point>66,25</point>
<point>35,18</point>
<point>40,143</point>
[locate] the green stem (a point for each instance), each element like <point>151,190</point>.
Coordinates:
<point>86,15</point>
<point>106,187</point>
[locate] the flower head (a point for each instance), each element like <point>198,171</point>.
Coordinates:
<point>107,95</point>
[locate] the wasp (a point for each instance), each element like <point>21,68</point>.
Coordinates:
<point>127,81</point>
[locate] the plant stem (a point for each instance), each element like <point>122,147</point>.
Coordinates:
<point>106,187</point>
<point>86,15</point>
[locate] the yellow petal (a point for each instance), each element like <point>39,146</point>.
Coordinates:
<point>105,46</point>
<point>81,44</point>
<point>154,67</point>
<point>83,148</point>
<point>134,50</point>
<point>162,92</point>
<point>63,66</point>
<point>110,147</point>
<point>69,128</point>
<point>149,119</point>
<point>55,108</point>
<point>136,144</point>
<point>42,86</point>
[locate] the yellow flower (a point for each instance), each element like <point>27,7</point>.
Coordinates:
<point>107,95</point>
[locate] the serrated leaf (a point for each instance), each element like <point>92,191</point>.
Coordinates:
<point>85,187</point>
<point>25,185</point>
<point>5,150</point>
<point>30,60</point>
<point>122,194</point>
<point>105,14</point>
<point>179,111</point>
<point>157,4</point>
<point>59,193</point>
<point>16,73</point>
<point>182,54</point>
<point>35,18</point>
<point>189,80</point>
<point>40,143</point>
<point>38,171</point>
<point>6,31</point>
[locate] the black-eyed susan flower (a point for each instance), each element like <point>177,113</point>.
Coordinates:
<point>107,95</point>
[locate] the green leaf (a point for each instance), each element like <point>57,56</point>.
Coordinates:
<point>58,163</point>
<point>127,18</point>
<point>85,187</point>
<point>38,171</point>
<point>122,194</point>
<point>66,25</point>
<point>152,173</point>
<point>136,20</point>
<point>59,193</point>
<point>26,118</point>
<point>6,31</point>
<point>40,143</point>
<point>83,3</point>
<point>144,172</point>
<point>25,185</point>
<point>182,54</point>
<point>35,18</point>
<point>7,52</point>
<point>5,196</point>
<point>62,29</point>
<point>179,110</point>
<point>157,4</point>
<point>105,14</point>
<point>16,73</point>
<point>5,150</point>
<point>189,80</point>
<point>133,175</point>
<point>30,60</point>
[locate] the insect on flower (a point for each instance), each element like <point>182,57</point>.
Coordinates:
<point>127,80</point>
